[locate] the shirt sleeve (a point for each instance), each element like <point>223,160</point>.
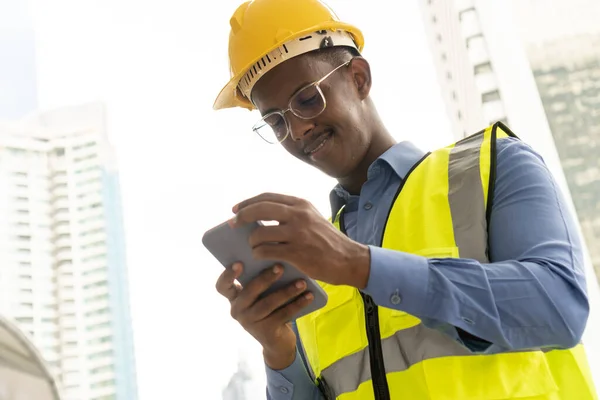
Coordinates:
<point>532,294</point>
<point>294,382</point>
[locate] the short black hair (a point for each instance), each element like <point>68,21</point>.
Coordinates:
<point>336,55</point>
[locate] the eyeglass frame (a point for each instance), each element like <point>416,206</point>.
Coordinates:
<point>317,85</point>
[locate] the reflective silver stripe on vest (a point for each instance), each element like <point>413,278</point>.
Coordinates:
<point>402,350</point>
<point>465,196</point>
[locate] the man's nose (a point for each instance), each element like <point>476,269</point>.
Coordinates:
<point>299,127</point>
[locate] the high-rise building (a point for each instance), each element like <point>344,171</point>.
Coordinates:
<point>567,73</point>
<point>485,76</point>
<point>63,277</point>
<point>18,88</point>
<point>236,388</point>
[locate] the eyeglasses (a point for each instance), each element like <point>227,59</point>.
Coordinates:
<point>307,103</point>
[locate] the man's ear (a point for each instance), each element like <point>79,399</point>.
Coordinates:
<point>361,75</point>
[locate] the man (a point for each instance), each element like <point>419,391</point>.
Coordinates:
<point>451,275</point>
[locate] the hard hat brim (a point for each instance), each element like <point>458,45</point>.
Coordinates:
<point>230,95</point>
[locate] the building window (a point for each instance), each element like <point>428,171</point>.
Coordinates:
<point>474,38</point>
<point>102,297</point>
<point>103,384</point>
<point>466,11</point>
<point>434,19</point>
<point>89,206</point>
<point>102,311</point>
<point>96,271</point>
<point>444,57</point>
<point>63,263</point>
<point>494,95</point>
<point>85,158</point>
<point>483,68</point>
<point>454,95</point>
<point>88,169</point>
<point>92,232</point>
<point>98,326</point>
<point>100,370</point>
<point>449,75</point>
<point>96,285</point>
<point>99,243</point>
<point>85,145</point>
<point>103,354</point>
<point>439,37</point>
<point>459,115</point>
<point>101,340</point>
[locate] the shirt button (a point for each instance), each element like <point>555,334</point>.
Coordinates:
<point>284,390</point>
<point>368,206</point>
<point>395,299</point>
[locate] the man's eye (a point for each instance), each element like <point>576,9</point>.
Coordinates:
<point>310,101</point>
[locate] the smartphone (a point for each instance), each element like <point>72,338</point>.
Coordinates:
<point>230,245</point>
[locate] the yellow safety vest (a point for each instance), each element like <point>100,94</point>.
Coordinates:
<point>357,350</point>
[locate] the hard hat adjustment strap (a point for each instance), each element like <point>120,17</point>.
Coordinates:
<point>290,49</point>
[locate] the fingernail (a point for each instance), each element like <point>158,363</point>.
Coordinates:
<point>232,221</point>
<point>235,208</point>
<point>237,268</point>
<point>276,269</point>
<point>308,296</point>
<point>300,284</point>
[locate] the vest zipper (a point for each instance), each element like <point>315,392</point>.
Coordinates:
<point>378,377</point>
<point>381,389</point>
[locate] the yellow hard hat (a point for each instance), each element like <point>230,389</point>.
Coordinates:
<point>265,33</point>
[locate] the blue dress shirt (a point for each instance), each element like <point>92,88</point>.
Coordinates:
<point>532,294</point>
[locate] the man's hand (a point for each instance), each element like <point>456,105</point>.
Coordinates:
<point>264,319</point>
<point>304,239</point>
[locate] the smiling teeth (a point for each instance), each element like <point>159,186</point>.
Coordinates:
<point>319,147</point>
<point>328,136</point>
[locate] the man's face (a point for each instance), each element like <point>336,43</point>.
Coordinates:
<point>334,141</point>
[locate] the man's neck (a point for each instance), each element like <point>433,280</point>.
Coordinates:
<point>381,143</point>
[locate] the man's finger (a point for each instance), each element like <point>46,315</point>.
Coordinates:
<point>226,285</point>
<point>271,197</point>
<point>269,234</point>
<point>265,307</point>
<point>273,251</point>
<point>256,287</point>
<point>286,313</point>
<point>263,211</point>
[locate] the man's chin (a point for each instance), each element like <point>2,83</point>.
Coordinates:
<point>331,169</point>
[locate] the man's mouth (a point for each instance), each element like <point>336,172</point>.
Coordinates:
<point>318,143</point>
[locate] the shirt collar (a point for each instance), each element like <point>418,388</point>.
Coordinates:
<point>400,158</point>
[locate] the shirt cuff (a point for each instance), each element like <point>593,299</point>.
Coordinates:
<point>279,382</point>
<point>398,280</point>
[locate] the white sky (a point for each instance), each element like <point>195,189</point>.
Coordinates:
<point>546,20</point>
<point>158,65</point>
